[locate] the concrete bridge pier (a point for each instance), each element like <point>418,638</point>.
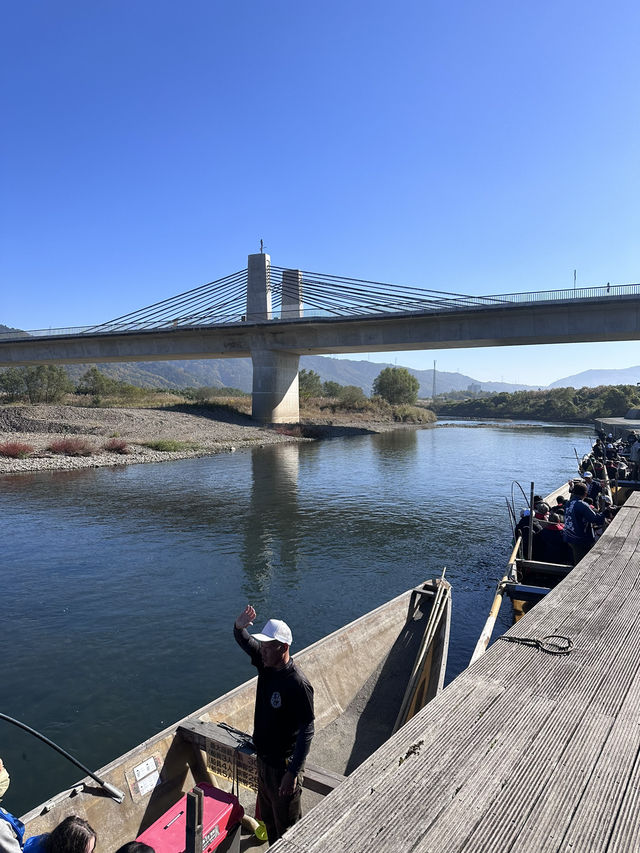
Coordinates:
<point>275,387</point>
<point>275,397</point>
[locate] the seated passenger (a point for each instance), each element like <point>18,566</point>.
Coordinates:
<point>135,847</point>
<point>559,507</point>
<point>579,519</point>
<point>11,833</point>
<point>623,471</point>
<point>4,780</point>
<point>522,530</point>
<point>612,469</point>
<point>593,486</point>
<point>553,548</point>
<point>634,457</point>
<point>541,511</point>
<point>73,835</point>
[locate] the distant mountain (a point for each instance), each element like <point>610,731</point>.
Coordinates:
<point>238,372</point>
<point>362,373</point>
<point>5,329</point>
<point>593,378</point>
<point>204,373</point>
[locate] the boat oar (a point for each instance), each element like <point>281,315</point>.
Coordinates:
<point>487,631</point>
<point>114,792</point>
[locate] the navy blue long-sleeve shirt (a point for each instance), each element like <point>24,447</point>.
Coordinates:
<point>578,521</point>
<point>283,718</point>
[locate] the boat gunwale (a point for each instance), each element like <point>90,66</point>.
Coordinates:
<point>172,730</point>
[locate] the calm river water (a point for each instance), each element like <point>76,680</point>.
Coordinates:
<point>120,585</point>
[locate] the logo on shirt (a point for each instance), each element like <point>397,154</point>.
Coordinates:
<point>276,700</point>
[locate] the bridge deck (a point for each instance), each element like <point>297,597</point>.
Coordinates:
<point>524,751</point>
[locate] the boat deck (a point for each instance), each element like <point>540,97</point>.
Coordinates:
<point>524,751</point>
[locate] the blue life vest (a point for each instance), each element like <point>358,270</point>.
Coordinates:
<point>35,844</point>
<point>17,825</point>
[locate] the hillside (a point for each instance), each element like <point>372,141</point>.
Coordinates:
<point>238,373</point>
<point>594,378</point>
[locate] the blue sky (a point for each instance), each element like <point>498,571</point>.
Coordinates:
<point>482,148</point>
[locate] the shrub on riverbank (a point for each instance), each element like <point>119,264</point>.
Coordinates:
<point>413,415</point>
<point>71,447</point>
<point>117,445</point>
<point>168,445</point>
<point>365,408</point>
<point>15,450</point>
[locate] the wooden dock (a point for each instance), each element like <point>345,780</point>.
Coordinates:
<point>524,751</point>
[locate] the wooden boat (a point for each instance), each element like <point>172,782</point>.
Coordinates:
<point>525,580</point>
<point>369,678</point>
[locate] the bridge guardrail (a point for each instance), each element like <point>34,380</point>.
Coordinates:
<point>431,304</point>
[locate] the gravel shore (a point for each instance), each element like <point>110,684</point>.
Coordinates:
<point>210,430</point>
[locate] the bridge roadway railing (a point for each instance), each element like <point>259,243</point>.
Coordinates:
<point>440,305</point>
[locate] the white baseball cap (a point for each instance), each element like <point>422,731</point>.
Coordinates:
<point>275,629</point>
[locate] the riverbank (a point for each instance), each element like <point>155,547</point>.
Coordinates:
<point>201,430</point>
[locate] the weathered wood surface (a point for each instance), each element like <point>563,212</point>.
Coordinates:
<point>524,751</point>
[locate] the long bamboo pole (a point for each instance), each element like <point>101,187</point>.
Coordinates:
<point>530,542</point>
<point>437,608</point>
<point>489,625</point>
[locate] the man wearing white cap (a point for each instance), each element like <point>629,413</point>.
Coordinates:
<point>593,486</point>
<point>282,721</point>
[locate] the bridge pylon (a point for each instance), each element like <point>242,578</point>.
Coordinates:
<point>275,395</point>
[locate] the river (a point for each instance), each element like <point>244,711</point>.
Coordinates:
<point>120,585</point>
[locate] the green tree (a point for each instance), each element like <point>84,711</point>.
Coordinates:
<point>12,383</point>
<point>351,395</point>
<point>331,389</point>
<point>46,383</point>
<point>310,384</point>
<point>96,383</point>
<point>396,385</point>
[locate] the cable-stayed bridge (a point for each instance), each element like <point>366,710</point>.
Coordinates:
<point>275,314</point>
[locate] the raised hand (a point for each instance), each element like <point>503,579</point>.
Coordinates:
<point>246,617</point>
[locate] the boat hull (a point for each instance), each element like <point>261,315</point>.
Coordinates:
<point>359,674</point>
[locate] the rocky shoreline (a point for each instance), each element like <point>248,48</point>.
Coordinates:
<point>40,425</point>
<point>209,430</point>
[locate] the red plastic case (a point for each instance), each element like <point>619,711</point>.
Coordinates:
<point>221,812</point>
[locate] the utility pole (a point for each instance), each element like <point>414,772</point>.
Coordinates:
<point>433,392</point>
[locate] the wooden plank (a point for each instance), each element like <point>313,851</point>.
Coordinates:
<point>555,569</point>
<point>523,751</point>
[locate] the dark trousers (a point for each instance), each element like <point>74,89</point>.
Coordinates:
<point>580,550</point>
<point>278,813</point>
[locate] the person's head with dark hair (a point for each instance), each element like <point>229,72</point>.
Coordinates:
<point>73,835</point>
<point>135,847</point>
<point>580,490</point>
<point>560,500</point>
<point>542,509</point>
